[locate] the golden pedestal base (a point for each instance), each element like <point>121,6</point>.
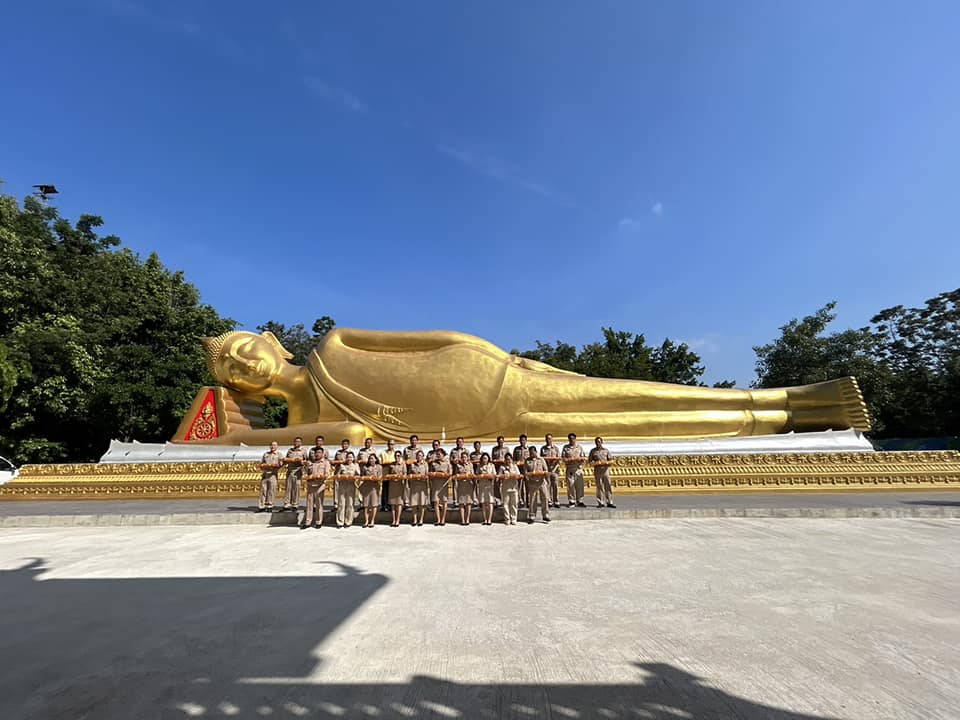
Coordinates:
<point>780,472</point>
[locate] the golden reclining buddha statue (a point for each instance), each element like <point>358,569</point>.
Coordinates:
<point>360,383</point>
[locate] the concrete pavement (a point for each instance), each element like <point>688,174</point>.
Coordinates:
<point>709,618</point>
<point>239,511</point>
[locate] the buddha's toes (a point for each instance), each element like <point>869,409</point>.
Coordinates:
<point>838,403</point>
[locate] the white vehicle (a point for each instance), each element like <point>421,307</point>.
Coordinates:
<point>8,471</point>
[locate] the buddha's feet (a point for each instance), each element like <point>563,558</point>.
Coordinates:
<point>835,404</point>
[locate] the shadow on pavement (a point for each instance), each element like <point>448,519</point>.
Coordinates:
<point>936,503</point>
<point>242,647</point>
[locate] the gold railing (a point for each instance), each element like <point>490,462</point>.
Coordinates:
<point>784,472</point>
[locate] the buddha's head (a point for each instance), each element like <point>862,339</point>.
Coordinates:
<point>245,361</point>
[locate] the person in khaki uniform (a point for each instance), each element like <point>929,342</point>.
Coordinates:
<point>295,460</point>
<point>498,453</point>
<point>548,452</point>
<point>318,450</point>
<point>459,447</point>
<point>475,459</point>
<point>601,473</point>
<point>510,477</point>
<point>346,489</point>
<point>370,489</point>
<point>440,471</point>
<point>418,488</point>
<point>317,472</point>
<point>409,457</point>
<point>396,489</point>
<point>339,457</point>
<point>573,458</point>
<point>463,474</point>
<point>520,454</point>
<point>269,466</point>
<point>486,471</point>
<point>537,486</point>
<point>365,451</point>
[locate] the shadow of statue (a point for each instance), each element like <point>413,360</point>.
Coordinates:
<point>244,647</point>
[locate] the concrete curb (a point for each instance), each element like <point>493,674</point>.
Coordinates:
<point>291,519</point>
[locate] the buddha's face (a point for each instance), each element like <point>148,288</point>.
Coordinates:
<point>248,362</point>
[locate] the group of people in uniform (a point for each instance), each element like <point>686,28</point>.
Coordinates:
<point>414,479</point>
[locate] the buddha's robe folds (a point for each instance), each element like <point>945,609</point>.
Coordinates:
<point>398,383</point>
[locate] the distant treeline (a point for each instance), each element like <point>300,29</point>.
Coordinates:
<point>97,343</point>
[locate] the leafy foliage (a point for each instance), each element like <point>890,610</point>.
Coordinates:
<point>907,363</point>
<point>622,354</point>
<point>96,342</point>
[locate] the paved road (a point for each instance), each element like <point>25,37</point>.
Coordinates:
<point>759,618</point>
<point>240,510</point>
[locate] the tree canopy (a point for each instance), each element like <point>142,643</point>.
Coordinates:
<point>907,362</point>
<point>95,342</point>
<point>622,354</point>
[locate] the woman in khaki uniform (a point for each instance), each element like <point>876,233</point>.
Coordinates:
<point>417,488</point>
<point>397,488</point>
<point>510,477</point>
<point>346,490</point>
<point>318,470</point>
<point>465,485</point>
<point>486,472</point>
<point>440,471</point>
<point>370,489</point>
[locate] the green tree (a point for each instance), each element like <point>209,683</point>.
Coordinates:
<point>921,348</point>
<point>101,343</point>
<point>805,353</point>
<point>676,364</point>
<point>621,354</point>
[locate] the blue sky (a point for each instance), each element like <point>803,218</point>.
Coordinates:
<point>521,171</point>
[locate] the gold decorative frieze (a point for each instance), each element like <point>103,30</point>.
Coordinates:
<point>771,472</point>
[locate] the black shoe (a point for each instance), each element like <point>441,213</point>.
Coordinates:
<point>571,504</point>
<point>580,504</point>
<point>599,505</point>
<point>304,527</point>
<point>529,521</point>
<point>611,505</point>
<point>546,519</point>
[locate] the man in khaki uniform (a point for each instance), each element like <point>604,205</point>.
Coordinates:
<point>547,452</point>
<point>365,451</point>
<point>295,459</point>
<point>318,470</point>
<point>348,473</point>
<point>475,459</point>
<point>455,451</point>
<point>601,474</point>
<point>537,486</point>
<point>409,456</point>
<point>318,450</point>
<point>573,458</point>
<point>498,453</point>
<point>339,455</point>
<point>520,454</point>
<point>269,466</point>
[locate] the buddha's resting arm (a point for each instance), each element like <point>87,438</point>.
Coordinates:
<point>425,341</point>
